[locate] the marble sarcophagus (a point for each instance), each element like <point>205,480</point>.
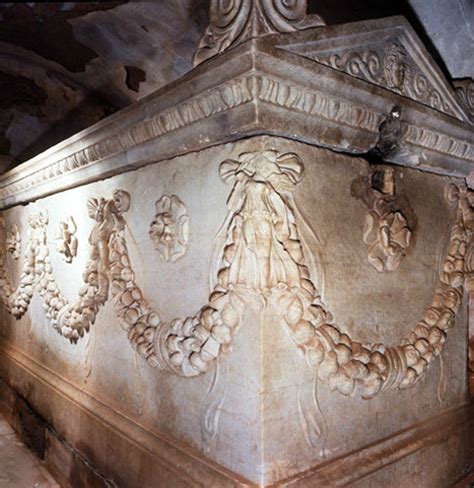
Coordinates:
<point>258,275</point>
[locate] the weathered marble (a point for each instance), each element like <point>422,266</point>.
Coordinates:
<point>18,466</point>
<point>250,306</point>
<point>264,84</point>
<point>257,427</point>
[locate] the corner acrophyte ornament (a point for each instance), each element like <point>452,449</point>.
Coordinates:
<point>465,91</point>
<point>235,21</point>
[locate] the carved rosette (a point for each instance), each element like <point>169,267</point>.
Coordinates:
<point>235,21</point>
<point>169,230</point>
<point>386,231</point>
<point>387,236</point>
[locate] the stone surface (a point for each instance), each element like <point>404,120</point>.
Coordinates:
<point>253,304</point>
<point>264,84</point>
<point>92,58</point>
<point>266,427</point>
<point>19,468</point>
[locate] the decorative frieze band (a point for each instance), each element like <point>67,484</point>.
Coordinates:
<point>434,141</point>
<point>230,95</point>
<point>312,102</point>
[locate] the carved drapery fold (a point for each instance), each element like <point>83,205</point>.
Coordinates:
<point>235,21</point>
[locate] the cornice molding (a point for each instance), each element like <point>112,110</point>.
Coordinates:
<point>387,53</point>
<point>260,89</point>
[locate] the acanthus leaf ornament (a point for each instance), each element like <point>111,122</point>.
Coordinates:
<point>465,91</point>
<point>235,21</point>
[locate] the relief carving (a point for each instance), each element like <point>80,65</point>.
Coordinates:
<point>235,21</point>
<point>66,241</point>
<point>465,91</point>
<point>73,320</point>
<point>230,95</point>
<point>346,364</point>
<point>395,66</point>
<point>386,232</point>
<point>169,229</point>
<point>70,320</point>
<point>13,242</point>
<point>259,256</point>
<point>469,280</point>
<point>262,255</point>
<point>391,68</point>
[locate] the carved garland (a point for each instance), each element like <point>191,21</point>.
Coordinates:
<point>262,254</point>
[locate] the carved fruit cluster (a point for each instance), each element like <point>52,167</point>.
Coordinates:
<point>344,363</point>
<point>192,344</point>
<point>17,301</point>
<point>186,346</point>
<point>135,314</point>
<point>340,362</point>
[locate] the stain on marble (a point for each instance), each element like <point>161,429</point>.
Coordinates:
<point>19,468</point>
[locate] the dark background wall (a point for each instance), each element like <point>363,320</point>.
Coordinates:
<point>66,65</point>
